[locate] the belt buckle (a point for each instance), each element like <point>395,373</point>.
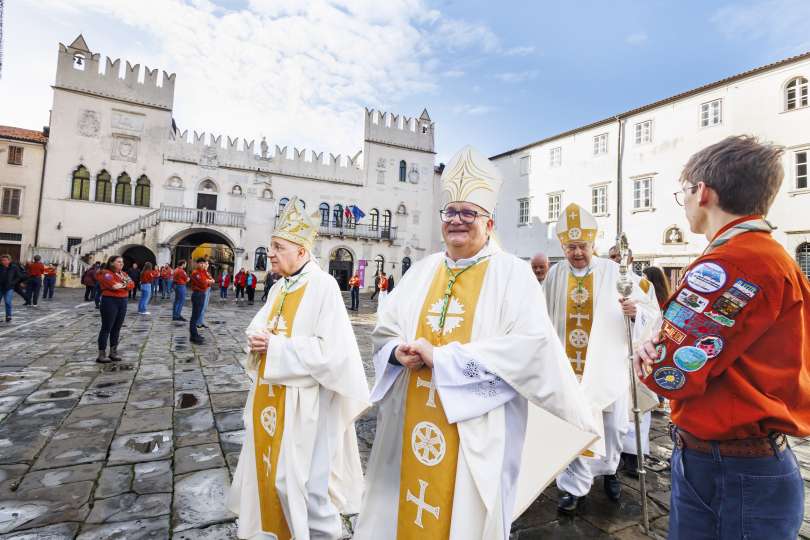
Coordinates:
<point>674,434</point>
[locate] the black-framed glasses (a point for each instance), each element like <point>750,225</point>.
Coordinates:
<point>680,195</point>
<point>465,215</point>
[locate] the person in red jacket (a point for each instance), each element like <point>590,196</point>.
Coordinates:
<point>115,286</point>
<point>180,279</point>
<point>148,279</point>
<point>35,270</point>
<point>239,283</point>
<point>224,283</point>
<point>166,273</point>
<point>734,355</point>
<point>49,282</point>
<point>89,282</point>
<point>201,280</point>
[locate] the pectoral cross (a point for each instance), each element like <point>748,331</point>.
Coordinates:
<point>267,464</point>
<point>578,361</point>
<point>421,383</point>
<point>421,505</point>
<point>579,317</point>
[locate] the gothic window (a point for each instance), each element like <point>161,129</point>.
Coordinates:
<point>103,187</point>
<point>80,186</point>
<point>208,186</point>
<point>236,190</point>
<point>386,224</point>
<point>402,170</point>
<point>260,260</point>
<point>406,264</point>
<point>337,215</point>
<point>324,208</point>
<point>375,219</point>
<point>380,262</point>
<point>123,189</point>
<point>143,190</point>
<point>803,258</point>
<point>281,204</point>
<point>796,94</point>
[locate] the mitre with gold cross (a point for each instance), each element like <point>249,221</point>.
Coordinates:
<point>576,225</point>
<point>472,178</point>
<point>295,225</point>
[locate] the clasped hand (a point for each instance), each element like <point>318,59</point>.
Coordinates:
<point>258,342</point>
<point>415,354</point>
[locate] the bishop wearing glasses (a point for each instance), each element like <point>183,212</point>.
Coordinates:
<point>467,368</point>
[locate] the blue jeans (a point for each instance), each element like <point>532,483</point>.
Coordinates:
<point>33,287</point>
<point>223,292</point>
<point>48,285</point>
<point>179,300</point>
<point>719,497</point>
<point>97,295</point>
<point>113,313</point>
<point>167,289</point>
<point>146,293</point>
<point>197,303</point>
<point>201,318</point>
<point>8,296</point>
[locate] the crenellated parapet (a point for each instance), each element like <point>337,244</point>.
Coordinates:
<point>78,69</point>
<point>399,130</point>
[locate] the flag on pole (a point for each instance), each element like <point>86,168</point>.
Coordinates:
<point>347,212</point>
<point>357,213</point>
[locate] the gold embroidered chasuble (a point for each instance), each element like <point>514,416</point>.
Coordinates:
<point>578,319</point>
<point>268,421</point>
<point>430,444</point>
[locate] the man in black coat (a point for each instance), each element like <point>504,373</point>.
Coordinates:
<point>134,274</point>
<point>10,277</point>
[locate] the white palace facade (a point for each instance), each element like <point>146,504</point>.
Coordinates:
<point>120,178</point>
<point>625,168</point>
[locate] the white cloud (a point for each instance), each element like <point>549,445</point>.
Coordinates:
<point>472,110</point>
<point>781,22</point>
<point>636,38</point>
<point>453,73</point>
<point>524,50</point>
<point>516,76</point>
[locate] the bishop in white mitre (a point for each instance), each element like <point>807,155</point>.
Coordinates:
<point>589,318</point>
<point>463,349</point>
<point>300,466</point>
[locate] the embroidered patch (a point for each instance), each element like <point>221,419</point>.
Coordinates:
<point>673,333</point>
<point>690,358</point>
<point>706,277</point>
<point>728,305</point>
<point>471,369</point>
<point>661,349</point>
<point>689,321</point>
<point>692,300</point>
<point>718,318</point>
<point>669,378</point>
<point>711,345</point>
<point>746,287</point>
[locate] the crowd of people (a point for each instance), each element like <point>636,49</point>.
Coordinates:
<point>25,280</point>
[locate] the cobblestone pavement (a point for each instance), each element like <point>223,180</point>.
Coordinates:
<point>146,448</point>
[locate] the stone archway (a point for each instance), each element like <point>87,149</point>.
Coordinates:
<point>341,266</point>
<point>138,254</point>
<point>208,243</point>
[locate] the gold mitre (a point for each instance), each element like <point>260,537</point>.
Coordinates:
<point>295,225</point>
<point>472,178</point>
<point>576,225</point>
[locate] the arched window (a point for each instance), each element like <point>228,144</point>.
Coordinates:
<point>103,187</point>
<point>143,190</point>
<point>324,208</point>
<point>386,224</point>
<point>803,258</point>
<point>406,264</point>
<point>236,190</point>
<point>79,61</point>
<point>337,215</point>
<point>208,186</point>
<point>80,186</point>
<point>375,219</point>
<point>123,189</point>
<point>260,260</point>
<point>796,94</point>
<point>380,262</point>
<point>403,169</point>
<point>281,204</point>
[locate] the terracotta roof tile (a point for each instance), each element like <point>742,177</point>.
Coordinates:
<point>20,134</point>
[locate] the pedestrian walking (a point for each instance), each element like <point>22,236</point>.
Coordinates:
<point>20,287</point>
<point>134,274</point>
<point>201,281</point>
<point>180,278</point>
<point>250,286</point>
<point>201,318</point>
<point>10,276</point>
<point>148,277</point>
<point>224,283</point>
<point>354,290</point>
<point>115,286</point>
<point>48,282</point>
<point>35,270</point>
<point>89,282</point>
<point>239,284</point>
<point>376,285</point>
<point>269,279</point>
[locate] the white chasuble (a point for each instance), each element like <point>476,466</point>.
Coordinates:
<point>499,374</point>
<point>300,466</point>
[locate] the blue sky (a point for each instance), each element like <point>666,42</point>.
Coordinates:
<point>493,75</point>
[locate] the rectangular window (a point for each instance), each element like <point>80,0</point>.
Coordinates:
<point>525,164</point>
<point>73,241</point>
<point>555,157</point>
<point>523,211</point>
<point>554,207</point>
<point>644,132</point>
<point>15,154</point>
<point>10,204</point>
<point>711,113</point>
<point>642,193</point>
<point>600,144</point>
<point>801,169</point>
<point>599,200</point>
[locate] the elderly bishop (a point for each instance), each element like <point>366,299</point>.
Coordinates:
<point>300,465</point>
<point>588,316</point>
<point>463,350</point>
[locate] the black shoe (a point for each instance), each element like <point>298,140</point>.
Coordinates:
<point>114,354</point>
<point>630,464</point>
<point>202,326</point>
<point>183,319</point>
<point>197,339</point>
<point>102,357</point>
<point>8,319</point>
<point>568,503</point>
<point>613,488</point>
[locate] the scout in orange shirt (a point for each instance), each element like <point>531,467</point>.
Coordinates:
<point>733,355</point>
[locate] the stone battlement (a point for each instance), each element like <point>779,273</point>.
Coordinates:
<point>399,130</point>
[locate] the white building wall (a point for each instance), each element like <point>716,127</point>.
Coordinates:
<point>27,178</point>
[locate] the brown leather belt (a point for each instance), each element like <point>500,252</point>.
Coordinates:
<point>744,448</point>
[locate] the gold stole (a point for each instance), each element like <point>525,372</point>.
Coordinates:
<point>578,320</point>
<point>429,442</point>
<point>268,421</point>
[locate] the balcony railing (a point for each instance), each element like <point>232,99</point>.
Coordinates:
<point>344,229</point>
<point>220,218</point>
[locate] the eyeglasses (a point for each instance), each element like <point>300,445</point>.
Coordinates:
<point>465,215</point>
<point>680,195</point>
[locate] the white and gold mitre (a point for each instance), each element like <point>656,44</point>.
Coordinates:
<point>295,225</point>
<point>472,178</point>
<point>576,225</point>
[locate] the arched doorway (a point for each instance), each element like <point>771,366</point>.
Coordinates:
<point>208,244</point>
<point>341,265</point>
<point>137,254</point>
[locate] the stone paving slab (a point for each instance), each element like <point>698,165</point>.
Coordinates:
<point>146,448</point>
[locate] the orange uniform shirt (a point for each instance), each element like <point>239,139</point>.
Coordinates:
<point>199,280</point>
<point>180,276</point>
<point>735,359</point>
<point>50,271</point>
<point>354,281</point>
<point>166,273</point>
<point>149,276</point>
<point>35,269</point>
<point>107,279</point>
